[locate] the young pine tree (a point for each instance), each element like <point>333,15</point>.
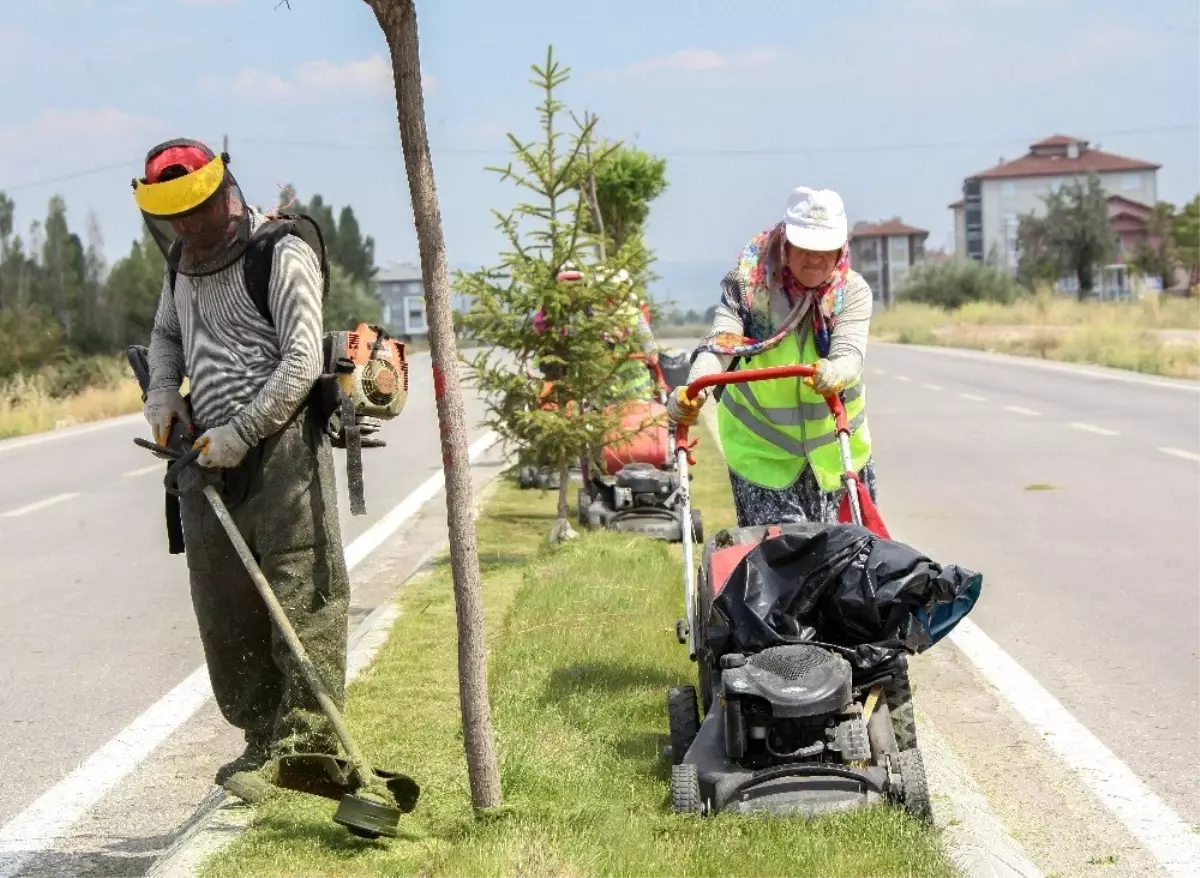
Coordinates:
<point>524,319</point>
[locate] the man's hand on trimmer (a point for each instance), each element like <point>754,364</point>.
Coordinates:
<point>162,408</point>
<point>682,409</point>
<point>826,381</point>
<point>221,447</point>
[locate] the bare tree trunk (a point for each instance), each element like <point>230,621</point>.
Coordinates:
<point>562,530</point>
<point>398,19</point>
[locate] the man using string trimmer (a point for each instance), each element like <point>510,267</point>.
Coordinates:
<point>241,317</point>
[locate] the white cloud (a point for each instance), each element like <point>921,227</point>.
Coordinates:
<point>369,78</point>
<point>694,63</point>
<point>92,126</point>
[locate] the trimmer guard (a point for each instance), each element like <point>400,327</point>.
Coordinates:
<point>330,777</point>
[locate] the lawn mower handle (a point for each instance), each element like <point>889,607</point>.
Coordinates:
<point>744,376</point>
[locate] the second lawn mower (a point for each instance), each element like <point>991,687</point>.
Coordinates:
<point>801,634</point>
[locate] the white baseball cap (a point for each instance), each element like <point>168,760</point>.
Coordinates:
<point>816,219</point>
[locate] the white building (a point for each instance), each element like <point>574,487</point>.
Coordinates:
<point>402,292</point>
<point>985,220</point>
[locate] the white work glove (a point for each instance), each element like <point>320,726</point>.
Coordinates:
<point>826,381</point>
<point>162,408</point>
<point>221,447</point>
<point>681,409</point>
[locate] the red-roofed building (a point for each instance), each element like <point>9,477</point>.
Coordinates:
<point>985,220</point>
<point>884,252</point>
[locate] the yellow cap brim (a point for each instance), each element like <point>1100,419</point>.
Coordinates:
<point>178,196</point>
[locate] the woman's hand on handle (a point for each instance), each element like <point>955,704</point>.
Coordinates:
<point>683,409</point>
<point>825,379</point>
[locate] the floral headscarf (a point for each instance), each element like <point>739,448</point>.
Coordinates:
<point>762,268</point>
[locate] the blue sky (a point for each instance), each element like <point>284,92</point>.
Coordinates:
<point>890,103</point>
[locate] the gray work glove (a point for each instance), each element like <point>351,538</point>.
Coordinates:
<point>162,408</point>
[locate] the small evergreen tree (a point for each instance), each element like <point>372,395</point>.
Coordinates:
<point>580,330</point>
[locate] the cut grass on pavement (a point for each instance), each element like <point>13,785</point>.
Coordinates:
<point>582,651</point>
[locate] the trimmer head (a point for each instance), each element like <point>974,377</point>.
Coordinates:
<point>367,818</point>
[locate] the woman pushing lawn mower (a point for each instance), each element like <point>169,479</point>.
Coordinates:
<point>791,299</point>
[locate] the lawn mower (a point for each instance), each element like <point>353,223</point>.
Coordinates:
<point>634,486</point>
<point>801,634</point>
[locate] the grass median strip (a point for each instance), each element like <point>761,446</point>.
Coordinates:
<point>583,650</point>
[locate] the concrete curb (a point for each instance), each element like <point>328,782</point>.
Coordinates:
<point>978,843</point>
<point>221,818</point>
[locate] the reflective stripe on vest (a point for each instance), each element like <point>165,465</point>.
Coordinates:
<point>772,430</point>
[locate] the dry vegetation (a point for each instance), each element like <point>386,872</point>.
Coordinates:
<point>1157,336</point>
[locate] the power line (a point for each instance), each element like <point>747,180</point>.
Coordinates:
<point>680,153</point>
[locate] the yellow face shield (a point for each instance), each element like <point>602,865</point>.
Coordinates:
<point>181,195</point>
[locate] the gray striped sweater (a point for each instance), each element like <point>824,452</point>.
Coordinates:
<point>242,370</point>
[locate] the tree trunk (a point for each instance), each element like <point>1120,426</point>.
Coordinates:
<point>398,19</point>
<point>562,531</point>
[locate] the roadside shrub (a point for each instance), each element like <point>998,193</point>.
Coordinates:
<point>957,282</point>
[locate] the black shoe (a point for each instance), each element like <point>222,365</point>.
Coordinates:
<point>253,758</point>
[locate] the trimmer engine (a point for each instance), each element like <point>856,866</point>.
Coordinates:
<point>371,368</point>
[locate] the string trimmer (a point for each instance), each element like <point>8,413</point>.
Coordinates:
<point>370,801</point>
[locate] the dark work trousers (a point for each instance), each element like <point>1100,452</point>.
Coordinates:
<point>283,499</point>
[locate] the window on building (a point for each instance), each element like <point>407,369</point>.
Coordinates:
<point>898,250</point>
<point>413,288</point>
<point>416,314</point>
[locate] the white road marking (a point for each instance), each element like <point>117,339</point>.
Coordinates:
<point>1165,835</point>
<point>40,504</point>
<point>1021,411</point>
<point>52,814</point>
<point>68,432</point>
<point>1099,431</point>
<point>973,397</point>
<point>1179,452</point>
<point>879,371</point>
<point>933,387</point>
<point>1097,372</point>
<point>153,468</point>
<point>903,378</point>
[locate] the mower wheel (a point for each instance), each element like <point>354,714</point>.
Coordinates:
<point>697,526</point>
<point>914,786</point>
<point>900,706</point>
<point>704,607</point>
<point>527,476</point>
<point>683,720</point>
<point>685,789</point>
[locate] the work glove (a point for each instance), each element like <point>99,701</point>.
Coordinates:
<point>826,381</point>
<point>681,409</point>
<point>162,408</point>
<point>221,448</point>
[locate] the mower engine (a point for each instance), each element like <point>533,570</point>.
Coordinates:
<point>371,368</point>
<point>791,704</point>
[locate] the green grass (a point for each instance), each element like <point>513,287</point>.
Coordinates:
<point>582,652</point>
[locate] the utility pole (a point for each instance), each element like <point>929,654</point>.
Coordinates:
<point>224,143</point>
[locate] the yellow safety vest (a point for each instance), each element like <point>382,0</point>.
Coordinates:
<point>770,430</point>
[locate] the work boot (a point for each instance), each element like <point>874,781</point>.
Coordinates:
<point>254,757</point>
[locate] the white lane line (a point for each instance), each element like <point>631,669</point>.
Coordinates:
<point>879,371</point>
<point>1021,410</point>
<point>69,432</point>
<point>153,468</point>
<point>40,504</point>
<point>1092,428</point>
<point>1165,835</point>
<point>973,397</point>
<point>933,387</point>
<point>43,822</point>
<point>1179,452</point>
<point>903,378</point>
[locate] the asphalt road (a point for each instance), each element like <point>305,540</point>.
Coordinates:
<point>97,619</point>
<point>1078,498</point>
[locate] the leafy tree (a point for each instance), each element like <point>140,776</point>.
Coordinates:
<point>543,236</point>
<point>627,179</point>
<point>956,282</point>
<point>1156,256</point>
<point>1040,262</point>
<point>355,253</point>
<point>350,301</point>
<point>1186,238</point>
<point>132,291</point>
<point>1079,231</point>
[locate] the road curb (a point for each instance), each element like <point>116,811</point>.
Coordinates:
<point>221,818</point>
<point>978,843</point>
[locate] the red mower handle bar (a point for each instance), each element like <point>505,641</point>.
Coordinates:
<point>743,376</point>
